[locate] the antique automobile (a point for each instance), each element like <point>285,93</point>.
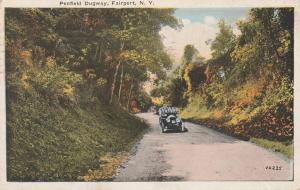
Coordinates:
<point>169,121</point>
<point>157,110</point>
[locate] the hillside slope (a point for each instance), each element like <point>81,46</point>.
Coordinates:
<point>49,142</point>
<point>72,78</point>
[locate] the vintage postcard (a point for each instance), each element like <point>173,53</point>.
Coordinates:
<point>161,94</point>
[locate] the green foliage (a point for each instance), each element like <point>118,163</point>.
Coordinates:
<point>55,83</point>
<point>53,143</point>
<point>144,102</point>
<point>183,80</point>
<point>278,93</point>
<point>189,53</point>
<point>172,91</point>
<point>285,148</point>
<point>224,41</point>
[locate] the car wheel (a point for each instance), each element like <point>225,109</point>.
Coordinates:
<point>162,128</point>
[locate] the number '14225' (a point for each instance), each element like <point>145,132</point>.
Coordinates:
<point>273,167</point>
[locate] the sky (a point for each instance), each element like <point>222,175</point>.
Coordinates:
<point>199,26</point>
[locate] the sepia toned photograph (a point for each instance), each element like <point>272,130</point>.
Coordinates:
<point>149,94</point>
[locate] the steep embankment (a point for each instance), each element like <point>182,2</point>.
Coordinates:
<point>256,109</point>
<point>51,142</point>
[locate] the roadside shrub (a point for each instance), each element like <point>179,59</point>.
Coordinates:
<point>55,83</point>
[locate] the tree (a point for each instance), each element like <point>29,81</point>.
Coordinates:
<point>224,42</point>
<point>189,53</point>
<point>268,43</point>
<point>144,28</point>
<point>110,41</point>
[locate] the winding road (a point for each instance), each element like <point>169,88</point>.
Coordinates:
<point>199,154</point>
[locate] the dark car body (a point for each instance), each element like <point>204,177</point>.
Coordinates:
<point>169,121</point>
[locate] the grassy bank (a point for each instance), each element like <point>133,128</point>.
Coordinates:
<point>285,148</point>
<point>51,142</point>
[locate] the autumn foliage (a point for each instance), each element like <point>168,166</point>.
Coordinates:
<point>72,78</point>
<point>246,88</point>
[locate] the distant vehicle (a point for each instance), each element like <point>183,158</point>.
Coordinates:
<point>157,110</point>
<point>152,109</point>
<point>169,121</point>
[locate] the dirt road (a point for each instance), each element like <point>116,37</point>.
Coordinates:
<point>199,154</point>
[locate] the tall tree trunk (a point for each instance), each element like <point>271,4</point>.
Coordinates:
<point>121,83</point>
<point>129,97</point>
<point>113,85</point>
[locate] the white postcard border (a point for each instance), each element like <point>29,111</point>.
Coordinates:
<point>207,185</point>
